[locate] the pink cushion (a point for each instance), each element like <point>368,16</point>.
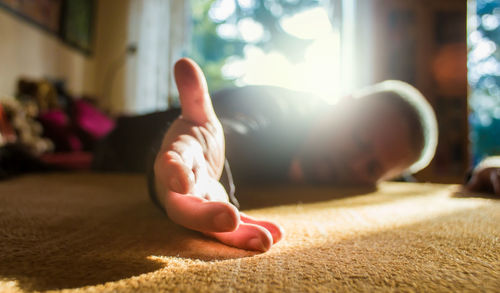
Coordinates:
<point>58,128</point>
<point>91,121</point>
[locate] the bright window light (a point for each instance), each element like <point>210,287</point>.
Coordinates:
<point>222,10</point>
<point>317,72</point>
<point>247,4</point>
<point>310,24</point>
<point>250,30</point>
<point>227,31</point>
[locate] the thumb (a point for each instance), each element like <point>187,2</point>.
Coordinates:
<point>193,92</point>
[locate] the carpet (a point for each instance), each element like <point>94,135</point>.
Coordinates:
<point>85,232</point>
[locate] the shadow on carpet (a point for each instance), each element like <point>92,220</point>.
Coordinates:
<point>69,231</point>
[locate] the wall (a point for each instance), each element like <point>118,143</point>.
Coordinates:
<point>28,51</point>
<point>110,45</point>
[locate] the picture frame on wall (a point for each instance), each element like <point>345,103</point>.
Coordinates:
<point>77,20</point>
<point>72,21</point>
<point>45,14</point>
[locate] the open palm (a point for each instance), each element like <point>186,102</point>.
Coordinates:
<point>189,165</point>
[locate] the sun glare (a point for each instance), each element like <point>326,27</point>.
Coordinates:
<point>250,30</point>
<point>221,10</point>
<point>318,72</point>
<point>310,24</point>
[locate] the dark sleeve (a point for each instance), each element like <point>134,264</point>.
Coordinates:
<point>263,128</point>
<point>129,145</point>
<point>133,144</point>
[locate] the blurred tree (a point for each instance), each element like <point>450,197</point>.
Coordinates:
<point>484,78</point>
<point>222,29</point>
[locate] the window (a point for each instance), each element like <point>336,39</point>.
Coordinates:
<point>484,77</point>
<point>288,43</point>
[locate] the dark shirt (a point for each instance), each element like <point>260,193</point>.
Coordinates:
<point>263,127</point>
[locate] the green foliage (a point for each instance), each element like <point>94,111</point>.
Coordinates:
<point>484,79</point>
<point>211,51</point>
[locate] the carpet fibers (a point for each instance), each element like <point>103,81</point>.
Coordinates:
<point>99,233</point>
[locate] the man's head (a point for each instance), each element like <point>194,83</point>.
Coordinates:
<point>378,133</point>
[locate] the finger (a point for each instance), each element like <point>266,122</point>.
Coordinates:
<point>193,92</point>
<point>276,230</point>
<point>495,180</point>
<point>201,215</point>
<point>174,173</point>
<point>247,236</point>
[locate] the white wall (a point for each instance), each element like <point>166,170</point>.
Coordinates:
<point>111,41</point>
<point>26,50</point>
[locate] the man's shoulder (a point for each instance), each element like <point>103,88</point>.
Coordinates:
<point>263,100</point>
<point>260,91</point>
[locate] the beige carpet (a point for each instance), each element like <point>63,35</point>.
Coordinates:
<point>100,233</point>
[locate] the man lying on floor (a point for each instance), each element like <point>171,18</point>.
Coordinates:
<point>276,135</point>
<point>271,134</point>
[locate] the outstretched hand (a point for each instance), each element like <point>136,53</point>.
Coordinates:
<point>189,165</point>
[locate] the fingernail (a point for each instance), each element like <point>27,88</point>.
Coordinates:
<point>175,185</point>
<point>256,244</point>
<point>224,222</point>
